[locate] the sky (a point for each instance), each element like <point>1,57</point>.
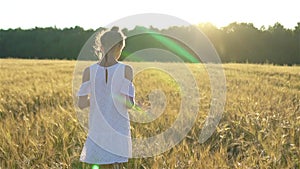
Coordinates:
<point>92,14</point>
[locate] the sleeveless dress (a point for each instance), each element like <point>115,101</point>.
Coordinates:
<point>109,137</point>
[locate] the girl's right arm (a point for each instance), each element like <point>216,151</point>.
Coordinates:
<point>84,101</point>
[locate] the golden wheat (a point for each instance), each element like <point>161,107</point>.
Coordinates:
<point>260,127</point>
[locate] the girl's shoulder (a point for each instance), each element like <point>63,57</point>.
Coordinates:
<point>87,70</point>
<point>128,71</point>
<point>126,66</point>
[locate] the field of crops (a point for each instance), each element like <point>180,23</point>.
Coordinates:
<point>260,127</point>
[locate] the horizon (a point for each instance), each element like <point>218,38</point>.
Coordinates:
<point>148,26</point>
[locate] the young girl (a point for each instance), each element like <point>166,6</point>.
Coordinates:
<point>108,89</point>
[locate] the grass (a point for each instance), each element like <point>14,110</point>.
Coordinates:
<point>260,127</point>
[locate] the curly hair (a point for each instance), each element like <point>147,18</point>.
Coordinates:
<point>106,40</point>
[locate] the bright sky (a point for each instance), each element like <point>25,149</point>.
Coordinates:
<point>98,13</point>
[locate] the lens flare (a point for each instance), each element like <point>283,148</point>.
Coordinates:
<point>174,50</point>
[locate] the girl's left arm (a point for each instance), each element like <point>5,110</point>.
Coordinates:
<point>129,75</point>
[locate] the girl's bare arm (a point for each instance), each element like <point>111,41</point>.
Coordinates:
<point>84,101</point>
<point>129,76</point>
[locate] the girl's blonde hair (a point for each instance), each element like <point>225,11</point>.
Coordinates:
<point>106,40</point>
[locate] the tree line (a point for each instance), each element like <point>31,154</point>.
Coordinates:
<point>237,42</point>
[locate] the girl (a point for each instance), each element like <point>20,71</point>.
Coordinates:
<point>108,89</point>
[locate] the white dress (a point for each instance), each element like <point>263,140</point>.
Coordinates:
<point>109,137</point>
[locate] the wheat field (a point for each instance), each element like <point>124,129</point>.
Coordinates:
<point>260,126</point>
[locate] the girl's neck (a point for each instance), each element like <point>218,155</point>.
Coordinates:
<point>107,63</point>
